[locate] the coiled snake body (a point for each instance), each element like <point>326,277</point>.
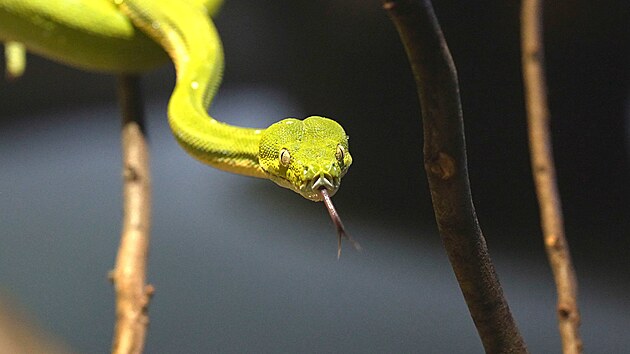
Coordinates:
<point>309,156</point>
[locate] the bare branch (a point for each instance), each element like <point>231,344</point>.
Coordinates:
<point>19,333</point>
<point>129,275</point>
<point>445,164</point>
<point>545,175</point>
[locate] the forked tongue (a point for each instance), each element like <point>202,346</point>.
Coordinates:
<point>341,230</point>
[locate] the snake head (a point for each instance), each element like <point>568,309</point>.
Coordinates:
<point>305,155</point>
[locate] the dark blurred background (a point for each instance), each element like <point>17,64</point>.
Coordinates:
<point>241,265</point>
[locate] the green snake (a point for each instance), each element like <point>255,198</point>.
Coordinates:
<point>308,156</point>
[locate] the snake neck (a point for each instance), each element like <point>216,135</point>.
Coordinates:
<point>188,35</point>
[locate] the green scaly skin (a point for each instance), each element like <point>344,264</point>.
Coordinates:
<point>102,35</point>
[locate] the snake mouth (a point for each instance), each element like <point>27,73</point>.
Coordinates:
<point>311,189</point>
<point>318,189</point>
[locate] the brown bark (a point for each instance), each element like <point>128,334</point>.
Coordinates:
<point>129,275</point>
<point>543,169</point>
<point>446,167</point>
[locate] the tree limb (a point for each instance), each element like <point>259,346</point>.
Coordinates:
<point>445,164</point>
<point>545,175</point>
<point>129,275</point>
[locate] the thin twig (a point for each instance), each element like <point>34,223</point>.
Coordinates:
<point>545,175</point>
<point>445,164</point>
<point>132,293</point>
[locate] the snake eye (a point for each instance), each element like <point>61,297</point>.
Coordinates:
<point>285,157</point>
<point>340,153</point>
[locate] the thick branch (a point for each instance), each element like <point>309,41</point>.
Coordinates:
<point>132,293</point>
<point>545,175</point>
<point>445,164</point>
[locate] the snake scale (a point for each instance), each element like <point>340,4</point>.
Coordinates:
<point>308,156</point>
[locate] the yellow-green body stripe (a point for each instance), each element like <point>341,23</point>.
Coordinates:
<point>126,36</point>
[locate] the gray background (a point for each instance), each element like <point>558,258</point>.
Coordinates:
<point>242,265</point>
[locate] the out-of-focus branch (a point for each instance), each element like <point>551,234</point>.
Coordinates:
<point>20,334</point>
<point>132,293</point>
<point>545,175</point>
<point>445,164</point>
